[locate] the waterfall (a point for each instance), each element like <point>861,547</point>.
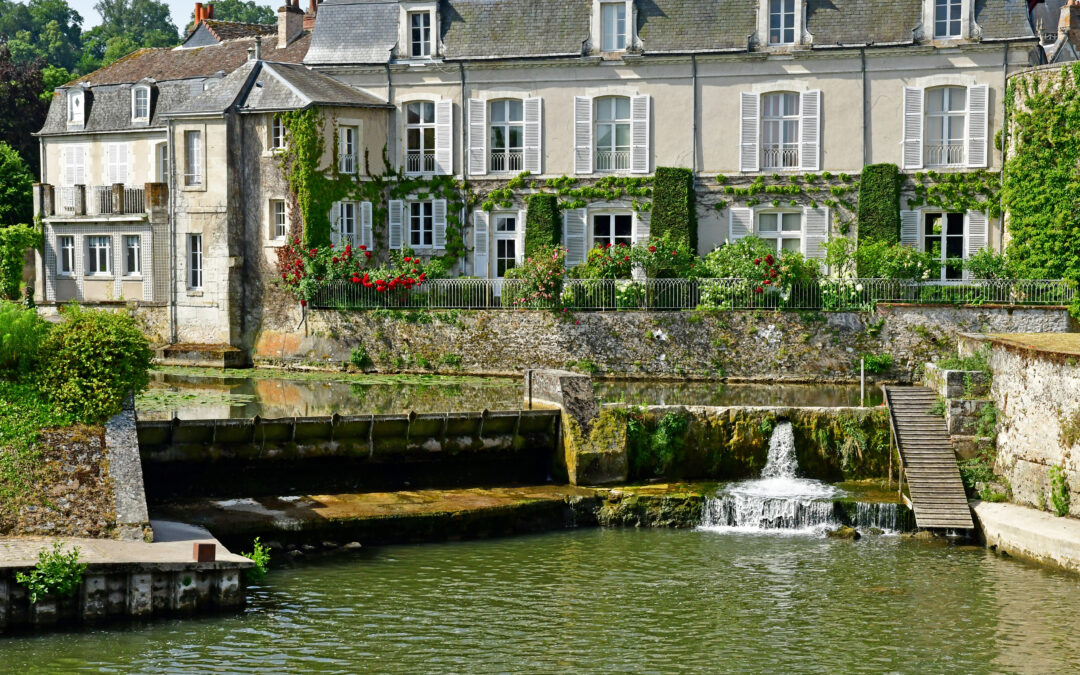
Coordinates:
<point>781,502</point>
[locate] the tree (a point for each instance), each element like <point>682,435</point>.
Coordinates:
<point>46,29</point>
<point>244,11</point>
<point>52,77</point>
<point>139,23</point>
<point>16,188</point>
<point>22,112</point>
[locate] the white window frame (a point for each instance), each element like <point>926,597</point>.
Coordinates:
<point>424,48</point>
<point>954,149</point>
<point>782,12</point>
<point>161,162</point>
<point>348,149</point>
<point>279,227</point>
<point>136,270</point>
<point>195,271</point>
<point>117,163</point>
<point>348,232</point>
<point>98,265</point>
<point>511,159</point>
<point>276,129</point>
<point>419,222</point>
<point>135,91</point>
<point>598,34</point>
<point>614,38</point>
<point>424,153</point>
<point>615,160</point>
<point>764,26</point>
<point>953,27</point>
<point>76,113</point>
<point>929,21</point>
<point>65,259</point>
<point>193,158</point>
<point>497,236</point>
<point>779,235</point>
<point>611,214</point>
<point>775,157</point>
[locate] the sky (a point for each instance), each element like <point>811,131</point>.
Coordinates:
<point>181,11</point>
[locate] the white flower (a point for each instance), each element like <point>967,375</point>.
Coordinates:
<point>858,287</point>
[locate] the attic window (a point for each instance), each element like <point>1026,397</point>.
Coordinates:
<point>76,104</point>
<point>140,104</point>
<point>781,22</point>
<point>420,34</point>
<point>947,19</point>
<point>613,26</point>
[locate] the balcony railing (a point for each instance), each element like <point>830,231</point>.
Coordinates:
<point>944,154</point>
<point>612,160</point>
<point>347,164</point>
<point>99,200</point>
<point>685,294</point>
<point>419,162</point>
<point>506,160</point>
<point>67,200</point>
<point>780,156</point>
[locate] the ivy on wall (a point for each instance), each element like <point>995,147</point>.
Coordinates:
<point>796,190</point>
<point>543,226</point>
<point>960,191</point>
<point>879,204</point>
<point>674,211</point>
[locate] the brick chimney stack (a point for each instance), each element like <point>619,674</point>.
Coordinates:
<point>290,23</point>
<point>210,11</point>
<point>199,13</point>
<point>309,17</point>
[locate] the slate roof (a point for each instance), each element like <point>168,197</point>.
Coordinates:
<point>673,26</point>
<point>514,28</point>
<point>860,22</point>
<point>354,31</point>
<point>1002,19</point>
<point>108,107</point>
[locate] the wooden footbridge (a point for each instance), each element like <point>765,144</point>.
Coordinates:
<point>927,460</point>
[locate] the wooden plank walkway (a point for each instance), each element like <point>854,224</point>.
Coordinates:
<point>929,463</point>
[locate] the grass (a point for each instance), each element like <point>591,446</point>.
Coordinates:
<point>1057,343</point>
<point>24,413</point>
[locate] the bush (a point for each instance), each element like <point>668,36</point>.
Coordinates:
<point>880,260</point>
<point>757,260</point>
<point>359,357</point>
<point>877,363</point>
<point>986,264</point>
<point>1059,491</point>
<point>56,573</point>
<point>667,256</point>
<point>674,211</point>
<point>543,224</point>
<point>16,187</point>
<point>21,333</point>
<point>653,445</point>
<point>14,241</point>
<point>542,274</point>
<point>605,262</point>
<point>92,361</point>
<point>260,555</point>
<point>879,205</point>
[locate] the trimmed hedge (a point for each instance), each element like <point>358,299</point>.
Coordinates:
<point>879,204</point>
<point>543,223</point>
<point>674,211</point>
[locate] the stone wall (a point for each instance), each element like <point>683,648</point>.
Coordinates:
<point>793,346</point>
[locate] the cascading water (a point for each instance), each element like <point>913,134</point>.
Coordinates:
<point>781,502</point>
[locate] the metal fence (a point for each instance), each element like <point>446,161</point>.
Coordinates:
<point>682,294</point>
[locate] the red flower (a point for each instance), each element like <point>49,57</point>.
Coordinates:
<point>348,248</point>
<point>772,273</point>
<point>354,280</point>
<point>407,259</point>
<point>758,289</point>
<point>331,246</point>
<point>766,282</point>
<point>313,252</point>
<point>303,303</point>
<point>757,261</point>
<point>334,260</point>
<point>674,253</point>
<point>415,271</point>
<point>423,276</point>
<point>284,276</point>
<point>363,247</point>
<point>626,259</point>
<point>652,249</point>
<point>769,259</point>
<point>367,254</point>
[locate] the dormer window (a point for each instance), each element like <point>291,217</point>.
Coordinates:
<point>613,26</point>
<point>782,22</point>
<point>947,18</point>
<point>420,35</point>
<point>140,104</point>
<point>76,106</point>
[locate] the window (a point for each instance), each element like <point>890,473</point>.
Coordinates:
<point>947,18</point>
<point>66,245</point>
<point>347,149</point>
<point>277,133</point>
<point>780,131</point>
<point>943,236</point>
<point>505,244</point>
<point>784,230</point>
<point>140,104</point>
<point>946,112</point>
<point>613,26</point>
<point>162,161</point>
<point>98,255</point>
<point>193,158</point>
<point>612,133</point>
<point>132,255</point>
<point>781,22</point>
<point>420,34</point>
<point>507,133</point>
<point>195,261</point>
<point>420,137</point>
<point>76,101</point>
<point>421,225</point>
<point>278,223</point>
<point>347,223</point>
<point>613,230</point>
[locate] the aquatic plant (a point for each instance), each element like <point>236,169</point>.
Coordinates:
<point>260,555</point>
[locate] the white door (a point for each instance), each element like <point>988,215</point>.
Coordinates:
<point>504,243</point>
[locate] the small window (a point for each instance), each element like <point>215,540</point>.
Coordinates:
<point>76,106</point>
<point>784,230</point>
<point>193,171</point>
<point>278,222</point>
<point>613,230</point>
<point>99,255</point>
<point>612,133</point>
<point>420,137</point>
<point>421,225</point>
<point>66,244</point>
<point>946,118</point>
<point>347,224</point>
<point>277,133</point>
<point>347,155</point>
<point>140,104</point>
<point>613,26</point>
<point>781,22</point>
<point>420,34</point>
<point>132,255</point>
<point>507,134</point>
<point>943,237</point>
<point>947,18</point>
<point>162,162</point>
<point>195,261</point>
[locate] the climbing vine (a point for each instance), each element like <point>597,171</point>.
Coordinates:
<point>961,191</point>
<point>572,192</point>
<point>835,191</point>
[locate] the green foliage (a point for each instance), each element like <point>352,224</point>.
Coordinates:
<point>938,409</point>
<point>49,30</point>
<point>22,112</point>
<point>979,360</point>
<point>674,210</point>
<point>56,573</point>
<point>543,273</point>
<point>14,242</point>
<point>359,357</point>
<point>986,264</point>
<point>1059,491</point>
<point>879,204</point>
<point>652,444</point>
<point>452,360</point>
<point>244,11</point>
<point>51,78</point>
<point>877,363</point>
<point>24,412</point>
<point>260,555</point>
<point>986,422</point>
<point>94,359</point>
<point>22,332</point>
<point>879,260</point>
<point>16,188</point>
<point>958,191</point>
<point>980,469</point>
<point>543,225</point>
<point>757,260</point>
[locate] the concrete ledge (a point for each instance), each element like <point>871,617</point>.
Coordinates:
<point>125,470</point>
<point>1030,534</point>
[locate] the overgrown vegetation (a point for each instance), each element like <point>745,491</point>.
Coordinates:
<point>674,211</point>
<point>543,223</point>
<point>359,357</point>
<point>979,361</point>
<point>879,205</point>
<point>654,444</point>
<point>14,242</point>
<point>877,363</point>
<point>1059,491</point>
<point>56,573</point>
<point>260,555</point>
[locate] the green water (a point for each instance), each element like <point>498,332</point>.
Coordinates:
<point>615,601</point>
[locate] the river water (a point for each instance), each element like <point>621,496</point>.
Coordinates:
<point>607,600</point>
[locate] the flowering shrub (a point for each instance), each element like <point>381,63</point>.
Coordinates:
<point>657,258</point>
<point>304,272</point>
<point>880,260</point>
<point>605,262</point>
<point>542,275</point>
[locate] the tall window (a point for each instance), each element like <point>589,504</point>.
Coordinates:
<point>420,137</point>
<point>278,224</point>
<point>947,18</point>
<point>66,244</point>
<point>347,154</point>
<point>946,114</point>
<point>140,104</point>
<point>421,225</point>
<point>505,244</point>
<point>162,160</point>
<point>99,255</point>
<point>193,167</point>
<point>613,229</point>
<point>784,230</point>
<point>195,261</point>
<point>277,133</point>
<point>75,107</point>
<point>507,135</point>
<point>132,255</point>
<point>781,22</point>
<point>420,34</point>
<point>943,236</point>
<point>613,133</point>
<point>613,26</point>
<point>347,224</point>
<point>780,131</point>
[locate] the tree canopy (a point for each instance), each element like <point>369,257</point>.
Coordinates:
<point>16,188</point>
<point>245,11</point>
<point>22,110</point>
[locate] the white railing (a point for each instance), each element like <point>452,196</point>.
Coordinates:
<point>99,200</point>
<point>347,164</point>
<point>780,156</point>
<point>419,162</point>
<point>502,160</point>
<point>66,201</point>
<point>944,154</point>
<point>612,160</point>
<point>134,200</point>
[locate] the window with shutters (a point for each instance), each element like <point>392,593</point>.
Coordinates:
<point>193,162</point>
<point>506,135</point>
<point>132,255</point>
<point>420,137</point>
<point>943,237</point>
<point>346,224</point>
<point>782,229</point>
<point>612,133</point>
<point>161,162</point>
<point>781,22</point>
<point>76,100</point>
<point>613,229</point>
<point>947,18</point>
<point>279,223</point>
<point>195,262</point>
<point>780,130</point>
<point>99,255</point>
<point>613,26</point>
<point>277,133</point>
<point>421,224</point>
<point>945,123</point>
<point>347,149</point>
<point>66,260</point>
<point>506,242</point>
<point>420,34</point>
<point>140,104</point>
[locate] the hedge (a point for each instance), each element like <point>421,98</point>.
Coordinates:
<point>674,211</point>
<point>543,224</point>
<point>879,204</point>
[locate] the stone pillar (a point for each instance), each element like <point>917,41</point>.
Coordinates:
<point>125,470</point>
<point>117,198</point>
<point>157,201</point>
<point>44,200</point>
<point>80,200</point>
<point>593,439</point>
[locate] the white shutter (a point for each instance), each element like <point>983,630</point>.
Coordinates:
<point>118,163</point>
<point>438,212</point>
<point>365,225</point>
<point>909,228</point>
<point>444,137</point>
<point>583,134</point>
<point>810,131</point>
<point>641,226</point>
<point>574,225</point>
<point>976,233</point>
<point>395,223</point>
<point>976,125</point>
<point>913,128</point>
<point>480,243</point>
<point>335,223</point>
<point>80,166</point>
<point>74,165</point>
<point>519,238</point>
<point>68,179</point>
<point>740,223</point>
<point>534,143</point>
<point>749,128</point>
<point>640,109</point>
<point>477,137</point>
<point>815,231</point>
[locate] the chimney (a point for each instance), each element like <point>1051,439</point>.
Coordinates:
<point>290,23</point>
<point>199,15</point>
<point>210,11</point>
<point>258,47</point>
<point>1069,23</point>
<point>309,17</point>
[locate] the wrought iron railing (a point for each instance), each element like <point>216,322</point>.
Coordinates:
<point>99,200</point>
<point>944,154</point>
<point>419,162</point>
<point>683,294</point>
<point>780,156</point>
<point>613,160</point>
<point>347,164</point>
<point>506,160</point>
<point>134,200</point>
